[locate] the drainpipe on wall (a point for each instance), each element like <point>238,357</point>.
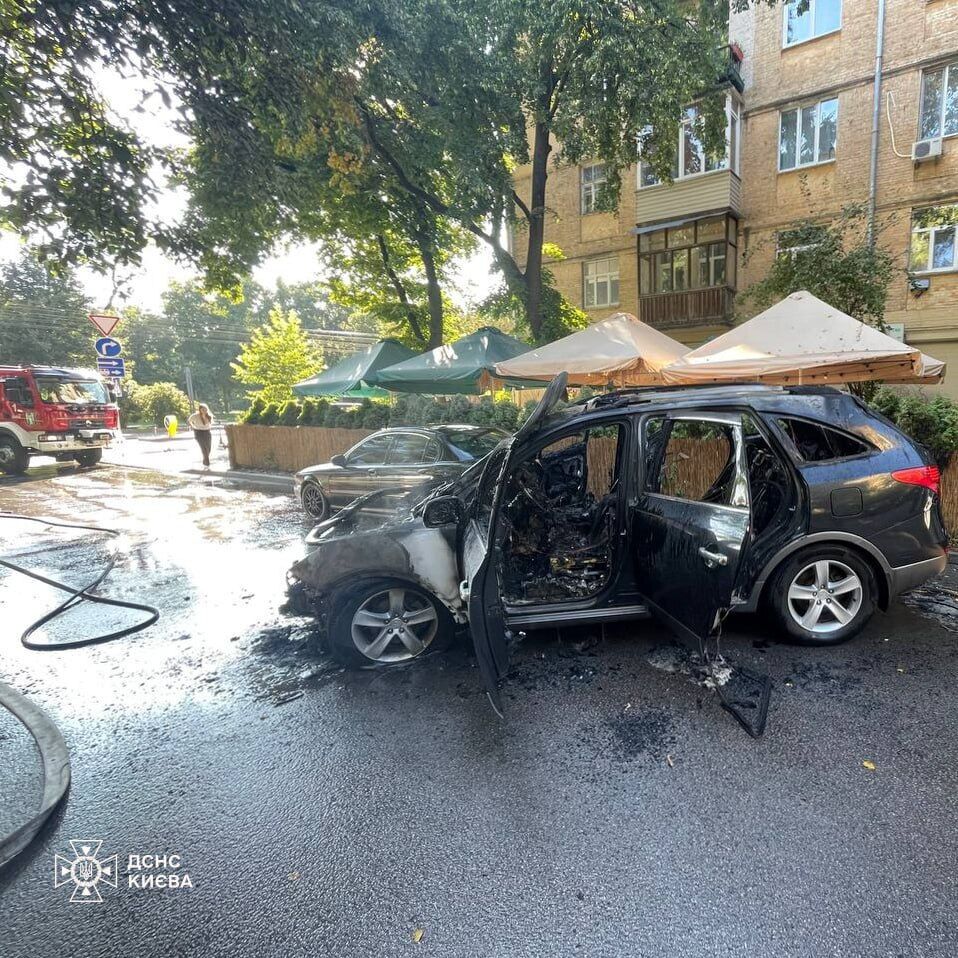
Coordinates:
<point>876,124</point>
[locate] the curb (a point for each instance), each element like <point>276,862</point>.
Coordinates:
<point>283,483</point>
<point>55,758</point>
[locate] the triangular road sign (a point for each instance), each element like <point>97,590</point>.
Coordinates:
<point>106,324</point>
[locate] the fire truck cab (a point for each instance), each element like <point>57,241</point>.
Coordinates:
<point>46,411</point>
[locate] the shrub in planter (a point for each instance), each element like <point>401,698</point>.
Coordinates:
<point>333,418</point>
<point>289,413</point>
<point>506,415</point>
<point>376,416</point>
<point>253,415</point>
<point>457,410</point>
<point>527,409</point>
<point>307,410</point>
<point>320,410</point>
<point>269,415</point>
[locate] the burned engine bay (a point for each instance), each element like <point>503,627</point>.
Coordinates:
<point>559,513</point>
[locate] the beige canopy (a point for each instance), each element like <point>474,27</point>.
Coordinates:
<point>620,350</point>
<point>802,340</point>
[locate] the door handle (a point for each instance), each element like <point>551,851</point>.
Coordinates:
<point>712,559</point>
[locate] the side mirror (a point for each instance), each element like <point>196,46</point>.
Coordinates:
<point>338,461</point>
<point>442,511</point>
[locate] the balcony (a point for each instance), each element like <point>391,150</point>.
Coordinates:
<point>732,72</point>
<point>693,307</point>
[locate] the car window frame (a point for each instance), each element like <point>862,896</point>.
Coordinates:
<point>731,418</point>
<point>363,442</point>
<point>401,434</point>
<point>627,444</point>
<point>771,420</point>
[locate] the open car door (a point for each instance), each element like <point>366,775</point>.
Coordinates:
<point>481,547</point>
<point>692,519</point>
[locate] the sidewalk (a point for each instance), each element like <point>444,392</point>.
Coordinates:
<point>181,455</point>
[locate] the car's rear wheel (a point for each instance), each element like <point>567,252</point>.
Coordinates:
<point>824,595</point>
<point>386,622</point>
<point>14,459</point>
<point>315,503</point>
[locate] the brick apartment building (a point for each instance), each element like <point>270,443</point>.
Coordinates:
<point>800,101</point>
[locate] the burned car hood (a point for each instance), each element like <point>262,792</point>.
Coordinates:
<point>362,542</point>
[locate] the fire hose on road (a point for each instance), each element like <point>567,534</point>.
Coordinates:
<point>54,754</point>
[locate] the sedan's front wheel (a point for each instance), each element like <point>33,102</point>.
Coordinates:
<point>385,622</point>
<point>315,504</point>
<point>823,596</point>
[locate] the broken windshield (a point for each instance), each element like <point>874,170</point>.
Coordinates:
<point>472,443</point>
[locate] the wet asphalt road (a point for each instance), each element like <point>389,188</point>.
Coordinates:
<point>616,811</point>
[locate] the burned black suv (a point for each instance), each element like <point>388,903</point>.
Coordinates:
<point>683,503</point>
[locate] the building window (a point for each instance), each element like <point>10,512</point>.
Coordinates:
<point>933,245</point>
<point>593,179</point>
<point>691,158</point>
<point>600,282</point>
<point>696,255</point>
<point>792,243</point>
<point>808,135</point>
<point>939,103</point>
<point>807,19</point>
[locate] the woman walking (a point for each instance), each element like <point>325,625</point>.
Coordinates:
<point>201,422</point>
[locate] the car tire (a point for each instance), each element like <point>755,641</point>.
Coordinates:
<point>89,457</point>
<point>823,595</point>
<point>314,501</point>
<point>14,459</point>
<point>363,614</point>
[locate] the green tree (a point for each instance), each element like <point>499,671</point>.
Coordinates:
<point>834,261</point>
<point>150,404</point>
<point>278,355</point>
<point>43,317</point>
<point>428,107</point>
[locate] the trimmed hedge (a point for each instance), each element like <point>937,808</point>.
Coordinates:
<point>376,414</point>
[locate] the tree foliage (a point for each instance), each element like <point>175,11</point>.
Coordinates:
<point>932,422</point>
<point>326,120</point>
<point>278,355</point>
<point>43,317</point>
<point>835,262</point>
<point>150,404</point>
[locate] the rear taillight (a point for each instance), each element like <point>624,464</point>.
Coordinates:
<point>927,476</point>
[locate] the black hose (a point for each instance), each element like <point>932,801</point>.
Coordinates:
<point>77,595</point>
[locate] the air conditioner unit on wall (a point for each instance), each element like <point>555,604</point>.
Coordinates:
<point>926,150</point>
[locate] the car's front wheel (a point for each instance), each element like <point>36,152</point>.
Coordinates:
<point>89,457</point>
<point>823,596</point>
<point>385,622</point>
<point>14,459</point>
<point>315,503</point>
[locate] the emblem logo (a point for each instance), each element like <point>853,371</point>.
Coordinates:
<point>85,870</point>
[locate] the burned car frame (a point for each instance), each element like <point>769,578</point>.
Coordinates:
<point>685,504</point>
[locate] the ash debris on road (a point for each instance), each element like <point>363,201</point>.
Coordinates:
<point>937,601</point>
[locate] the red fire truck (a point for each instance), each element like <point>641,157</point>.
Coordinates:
<point>45,411</point>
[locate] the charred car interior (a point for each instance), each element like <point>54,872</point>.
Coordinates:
<point>560,512</point>
<point>684,504</point>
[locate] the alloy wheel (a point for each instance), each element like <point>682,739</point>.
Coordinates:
<point>314,502</point>
<point>825,596</point>
<point>394,625</point>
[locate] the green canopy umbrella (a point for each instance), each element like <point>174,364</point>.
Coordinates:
<point>349,377</point>
<point>466,366</point>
